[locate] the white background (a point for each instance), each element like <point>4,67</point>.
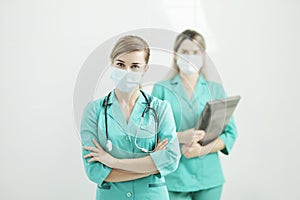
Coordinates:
<point>255,45</point>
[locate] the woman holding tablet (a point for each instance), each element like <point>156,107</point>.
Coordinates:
<point>129,137</point>
<point>199,175</point>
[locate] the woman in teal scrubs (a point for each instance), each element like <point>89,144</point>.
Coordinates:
<point>125,156</point>
<point>199,174</point>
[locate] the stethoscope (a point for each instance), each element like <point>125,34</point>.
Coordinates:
<point>147,108</point>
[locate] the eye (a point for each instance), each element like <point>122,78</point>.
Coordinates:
<point>197,52</point>
<point>184,52</point>
<point>135,67</point>
<point>119,64</point>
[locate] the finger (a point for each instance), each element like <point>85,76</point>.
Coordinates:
<point>88,155</point>
<point>199,135</point>
<point>157,147</point>
<point>96,144</point>
<point>93,149</point>
<point>164,142</point>
<point>162,146</point>
<point>197,139</point>
<point>158,144</point>
<point>200,132</point>
<point>92,160</point>
<point>91,155</point>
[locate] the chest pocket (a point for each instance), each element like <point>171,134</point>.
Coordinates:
<point>147,132</point>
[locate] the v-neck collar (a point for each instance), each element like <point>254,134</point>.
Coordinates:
<point>116,112</point>
<point>179,88</point>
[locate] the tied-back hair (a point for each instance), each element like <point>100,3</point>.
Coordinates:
<point>128,44</point>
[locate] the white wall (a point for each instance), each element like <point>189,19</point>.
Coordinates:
<point>44,43</point>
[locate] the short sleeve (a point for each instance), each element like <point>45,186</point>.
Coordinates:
<point>96,171</point>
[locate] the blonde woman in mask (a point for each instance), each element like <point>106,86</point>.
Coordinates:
<point>129,138</point>
<point>199,175</point>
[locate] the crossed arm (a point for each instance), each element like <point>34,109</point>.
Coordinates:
<point>124,169</point>
<point>118,175</point>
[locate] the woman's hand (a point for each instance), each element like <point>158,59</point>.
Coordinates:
<point>161,145</point>
<point>98,154</point>
<point>196,149</point>
<point>190,136</point>
<point>191,151</point>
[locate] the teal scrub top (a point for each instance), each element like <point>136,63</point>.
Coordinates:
<point>122,135</point>
<point>200,172</point>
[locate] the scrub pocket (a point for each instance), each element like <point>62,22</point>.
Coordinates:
<point>104,186</point>
<point>103,191</point>
<point>151,185</point>
<point>158,191</point>
<point>147,135</point>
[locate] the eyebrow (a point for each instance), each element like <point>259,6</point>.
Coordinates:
<point>135,63</point>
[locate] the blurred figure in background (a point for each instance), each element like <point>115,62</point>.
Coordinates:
<point>199,175</point>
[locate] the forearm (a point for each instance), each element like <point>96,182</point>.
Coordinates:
<point>137,165</point>
<point>118,175</point>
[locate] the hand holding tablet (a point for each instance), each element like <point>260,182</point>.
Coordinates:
<point>215,116</point>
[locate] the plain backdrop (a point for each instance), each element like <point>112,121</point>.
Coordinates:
<point>43,44</point>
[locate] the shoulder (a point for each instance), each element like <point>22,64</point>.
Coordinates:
<point>157,103</point>
<point>216,89</point>
<point>166,85</point>
<point>93,107</point>
<point>160,103</point>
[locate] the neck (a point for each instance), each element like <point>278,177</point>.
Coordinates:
<point>190,79</point>
<point>127,98</point>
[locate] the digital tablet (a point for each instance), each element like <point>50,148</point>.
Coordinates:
<point>215,116</point>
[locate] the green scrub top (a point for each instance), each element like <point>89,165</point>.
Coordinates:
<point>122,135</point>
<point>200,172</point>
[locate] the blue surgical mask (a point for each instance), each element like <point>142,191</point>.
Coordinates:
<point>126,81</point>
<point>189,64</point>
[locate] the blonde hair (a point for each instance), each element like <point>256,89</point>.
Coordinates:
<point>129,44</point>
<point>192,35</point>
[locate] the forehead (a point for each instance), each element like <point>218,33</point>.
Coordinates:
<point>132,57</point>
<point>188,44</point>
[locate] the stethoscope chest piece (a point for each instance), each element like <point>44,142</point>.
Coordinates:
<point>148,108</point>
<point>109,145</point>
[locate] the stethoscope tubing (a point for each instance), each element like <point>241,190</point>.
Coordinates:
<point>148,108</point>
